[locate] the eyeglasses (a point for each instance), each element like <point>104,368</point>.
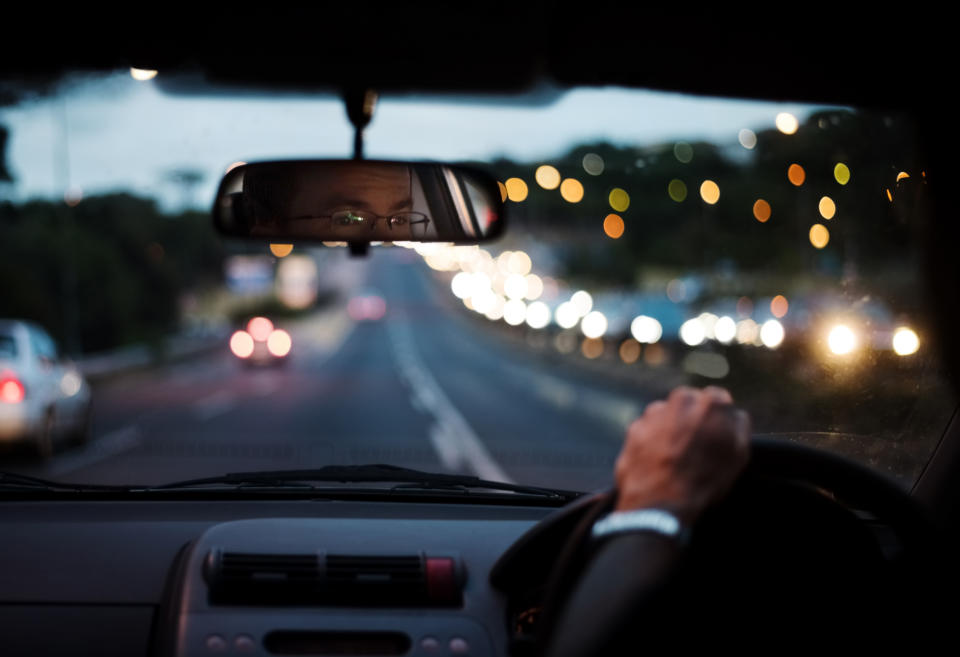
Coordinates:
<point>361,220</point>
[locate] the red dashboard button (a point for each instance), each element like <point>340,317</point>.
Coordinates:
<point>441,580</point>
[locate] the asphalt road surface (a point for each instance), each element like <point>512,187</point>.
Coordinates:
<point>426,387</point>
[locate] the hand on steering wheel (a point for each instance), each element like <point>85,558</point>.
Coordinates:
<point>778,548</point>
<point>683,454</point>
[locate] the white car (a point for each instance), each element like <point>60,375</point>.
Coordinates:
<point>43,399</point>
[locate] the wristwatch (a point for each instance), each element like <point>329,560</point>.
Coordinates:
<point>658,521</point>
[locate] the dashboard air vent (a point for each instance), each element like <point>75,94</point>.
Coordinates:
<point>394,579</point>
<point>240,578</point>
<point>243,578</point>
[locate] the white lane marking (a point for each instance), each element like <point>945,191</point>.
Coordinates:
<point>189,372</point>
<point>216,404</point>
<point>321,335</point>
<point>445,446</point>
<point>455,442</point>
<point>604,406</point>
<point>617,410</point>
<point>107,446</point>
<point>556,392</point>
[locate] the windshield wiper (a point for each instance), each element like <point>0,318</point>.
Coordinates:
<point>408,479</point>
<point>17,481</point>
<point>405,478</point>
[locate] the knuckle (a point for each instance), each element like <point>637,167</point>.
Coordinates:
<point>620,468</point>
<point>655,407</point>
<point>634,432</point>
<point>744,426</point>
<point>682,395</point>
<point>718,395</point>
<point>635,427</point>
<point>682,391</point>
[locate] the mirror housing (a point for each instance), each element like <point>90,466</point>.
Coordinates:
<point>359,201</point>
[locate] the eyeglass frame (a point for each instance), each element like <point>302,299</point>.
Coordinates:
<point>374,218</point>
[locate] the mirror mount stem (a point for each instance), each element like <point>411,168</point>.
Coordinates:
<point>360,105</point>
<point>358,144</point>
<point>359,249</point>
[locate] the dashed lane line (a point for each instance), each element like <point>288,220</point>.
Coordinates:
<point>216,404</point>
<point>455,442</point>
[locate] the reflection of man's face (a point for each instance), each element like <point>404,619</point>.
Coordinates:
<point>305,193</point>
<point>382,189</point>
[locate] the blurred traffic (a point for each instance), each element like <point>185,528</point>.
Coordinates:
<point>367,306</point>
<point>261,343</point>
<point>679,318</point>
<point>44,399</point>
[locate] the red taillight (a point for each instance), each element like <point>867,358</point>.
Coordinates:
<point>11,391</point>
<point>376,308</point>
<point>279,343</point>
<point>259,328</point>
<point>241,344</point>
<point>369,307</point>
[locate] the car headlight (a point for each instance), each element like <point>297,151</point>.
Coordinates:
<point>842,340</point>
<point>905,341</point>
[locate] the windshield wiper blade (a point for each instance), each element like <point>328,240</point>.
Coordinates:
<point>17,481</point>
<point>376,473</point>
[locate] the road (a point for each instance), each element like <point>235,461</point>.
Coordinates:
<point>427,387</point>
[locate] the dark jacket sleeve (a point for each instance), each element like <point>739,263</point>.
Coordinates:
<point>622,583</point>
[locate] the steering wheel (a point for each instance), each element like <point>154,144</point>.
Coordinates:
<point>806,539</point>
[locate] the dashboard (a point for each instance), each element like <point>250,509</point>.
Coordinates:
<point>391,575</point>
<point>255,577</point>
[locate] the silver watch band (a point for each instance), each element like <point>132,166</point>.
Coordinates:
<point>640,520</point>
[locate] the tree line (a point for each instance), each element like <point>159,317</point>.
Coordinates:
<point>109,271</point>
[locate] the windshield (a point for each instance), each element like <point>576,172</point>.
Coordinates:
<point>8,346</point>
<point>653,240</point>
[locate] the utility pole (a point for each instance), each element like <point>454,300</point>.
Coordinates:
<point>68,272</point>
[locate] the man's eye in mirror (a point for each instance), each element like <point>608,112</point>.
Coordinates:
<point>350,218</point>
<point>370,201</point>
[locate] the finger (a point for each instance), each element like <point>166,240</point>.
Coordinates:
<point>742,420</point>
<point>683,397</point>
<point>635,429</point>
<point>620,468</point>
<point>733,428</point>
<point>655,407</point>
<point>716,404</point>
<point>716,419</point>
<point>718,394</point>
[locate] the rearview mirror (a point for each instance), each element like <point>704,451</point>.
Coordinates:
<point>359,201</point>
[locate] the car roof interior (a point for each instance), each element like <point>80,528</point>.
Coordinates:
<point>447,47</point>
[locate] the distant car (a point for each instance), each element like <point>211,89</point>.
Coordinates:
<point>43,398</point>
<point>260,343</point>
<point>367,306</point>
